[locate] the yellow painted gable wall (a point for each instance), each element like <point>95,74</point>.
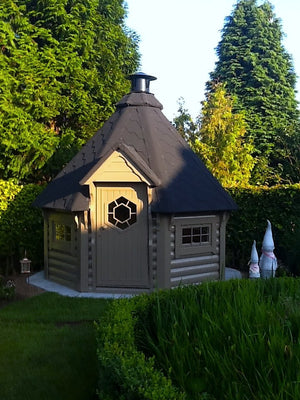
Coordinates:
<point>117,169</point>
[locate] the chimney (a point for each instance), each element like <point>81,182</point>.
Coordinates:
<point>140,82</point>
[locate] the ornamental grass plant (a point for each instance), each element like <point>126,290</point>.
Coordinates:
<point>226,340</point>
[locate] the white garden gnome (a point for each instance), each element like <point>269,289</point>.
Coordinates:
<point>268,261</point>
<point>253,267</point>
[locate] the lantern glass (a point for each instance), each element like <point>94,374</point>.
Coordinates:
<point>25,266</point>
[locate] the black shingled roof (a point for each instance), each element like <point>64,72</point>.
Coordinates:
<point>138,128</point>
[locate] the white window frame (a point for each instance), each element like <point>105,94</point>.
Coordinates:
<point>194,247</point>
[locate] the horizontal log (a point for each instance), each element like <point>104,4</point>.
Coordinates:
<point>190,261</point>
<point>64,282</point>
<point>194,270</point>
<point>68,277</point>
<point>60,256</point>
<point>210,276</point>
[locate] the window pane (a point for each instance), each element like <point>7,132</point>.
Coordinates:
<point>196,231</point>
<point>196,238</point>
<point>111,207</point>
<point>205,230</point>
<point>186,231</point>
<point>63,232</point>
<point>59,232</point>
<point>186,239</point>
<point>205,239</point>
<point>67,233</point>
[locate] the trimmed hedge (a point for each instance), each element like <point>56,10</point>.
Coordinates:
<point>279,204</point>
<point>21,226</point>
<point>220,340</point>
<point>125,372</point>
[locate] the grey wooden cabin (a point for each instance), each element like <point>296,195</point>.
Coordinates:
<point>135,209</point>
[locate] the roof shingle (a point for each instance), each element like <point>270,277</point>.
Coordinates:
<point>184,185</point>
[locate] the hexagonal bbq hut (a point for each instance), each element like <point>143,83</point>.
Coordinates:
<point>135,209</point>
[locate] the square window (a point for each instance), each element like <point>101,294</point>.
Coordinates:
<point>195,235</point>
<point>62,233</point>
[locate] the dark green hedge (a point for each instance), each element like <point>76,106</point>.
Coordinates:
<point>21,226</point>
<point>279,204</point>
<point>125,373</point>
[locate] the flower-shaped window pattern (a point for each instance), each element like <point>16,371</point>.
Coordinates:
<point>122,213</point>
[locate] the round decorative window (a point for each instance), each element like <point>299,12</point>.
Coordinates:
<point>122,213</point>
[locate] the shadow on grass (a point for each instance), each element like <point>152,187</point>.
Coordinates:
<point>48,348</point>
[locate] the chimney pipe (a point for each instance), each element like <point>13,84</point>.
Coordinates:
<point>140,82</point>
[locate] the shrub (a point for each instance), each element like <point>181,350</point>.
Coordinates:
<point>279,204</point>
<point>8,190</point>
<point>7,289</point>
<point>21,225</point>
<point>226,340</point>
<point>125,372</point>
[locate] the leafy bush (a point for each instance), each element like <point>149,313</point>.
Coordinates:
<point>7,289</point>
<point>226,340</point>
<point>125,372</point>
<point>21,226</point>
<point>279,204</point>
<point>8,190</point>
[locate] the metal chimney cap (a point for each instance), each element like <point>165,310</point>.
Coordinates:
<point>140,82</point>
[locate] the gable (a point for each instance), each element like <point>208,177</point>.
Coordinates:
<point>116,168</point>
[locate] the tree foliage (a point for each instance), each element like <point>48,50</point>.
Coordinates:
<point>184,123</point>
<point>221,143</point>
<point>259,72</point>
<point>21,226</point>
<point>281,205</point>
<point>63,65</point>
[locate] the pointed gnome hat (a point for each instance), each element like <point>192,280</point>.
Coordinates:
<point>254,254</point>
<point>268,242</point>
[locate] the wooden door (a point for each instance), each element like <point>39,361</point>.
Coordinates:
<point>122,235</point>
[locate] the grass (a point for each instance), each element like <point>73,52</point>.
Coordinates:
<point>227,340</point>
<point>218,341</point>
<point>48,348</point>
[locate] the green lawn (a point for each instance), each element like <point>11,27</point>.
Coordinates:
<point>48,348</point>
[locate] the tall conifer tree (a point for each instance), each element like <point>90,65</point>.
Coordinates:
<point>259,72</point>
<point>63,66</point>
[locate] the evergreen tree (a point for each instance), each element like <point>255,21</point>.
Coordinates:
<point>221,144</point>
<point>63,66</point>
<point>259,72</point>
<point>184,123</point>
